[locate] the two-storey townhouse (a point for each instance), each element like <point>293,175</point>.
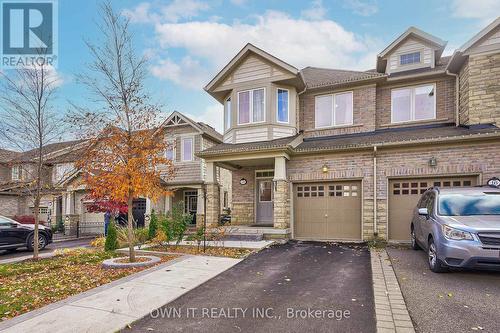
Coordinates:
<point>329,154</point>
<point>186,138</point>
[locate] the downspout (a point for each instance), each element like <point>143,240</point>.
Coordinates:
<point>457,97</point>
<point>375,229</point>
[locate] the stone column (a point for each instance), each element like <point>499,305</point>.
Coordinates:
<point>281,214</point>
<point>200,209</point>
<point>213,196</point>
<point>168,203</point>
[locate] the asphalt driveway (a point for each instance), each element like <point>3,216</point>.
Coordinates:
<point>295,287</point>
<point>459,301</point>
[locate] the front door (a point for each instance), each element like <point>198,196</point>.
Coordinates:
<point>264,200</point>
<point>191,204</point>
<point>138,211</point>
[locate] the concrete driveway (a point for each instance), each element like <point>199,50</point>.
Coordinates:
<point>296,287</point>
<point>459,301</point>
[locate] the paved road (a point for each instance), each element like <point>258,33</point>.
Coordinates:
<point>293,276</point>
<point>474,300</point>
<point>6,256</point>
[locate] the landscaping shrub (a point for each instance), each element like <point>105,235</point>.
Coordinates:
<point>141,236</point>
<point>98,242</point>
<point>197,236</point>
<point>111,243</point>
<point>153,225</point>
<point>174,224</point>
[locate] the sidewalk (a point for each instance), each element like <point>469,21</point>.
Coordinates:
<point>111,307</point>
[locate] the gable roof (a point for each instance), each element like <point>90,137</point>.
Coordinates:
<point>249,48</point>
<point>178,119</point>
<point>410,32</point>
<point>8,155</point>
<point>458,57</point>
<point>315,77</point>
<point>52,148</point>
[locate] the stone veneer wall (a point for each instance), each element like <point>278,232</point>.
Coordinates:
<point>281,212</point>
<point>464,94</point>
<point>470,159</point>
<point>243,197</point>
<point>213,205</point>
<point>484,89</point>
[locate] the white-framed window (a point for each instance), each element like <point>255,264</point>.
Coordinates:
<point>409,58</point>
<point>413,103</point>
<point>227,116</point>
<point>282,105</point>
<point>252,106</point>
<point>333,110</point>
<point>170,152</point>
<point>187,149</point>
<point>16,172</point>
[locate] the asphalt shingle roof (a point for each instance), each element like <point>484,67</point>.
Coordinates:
<point>249,146</point>
<point>315,77</point>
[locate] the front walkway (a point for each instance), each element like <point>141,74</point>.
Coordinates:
<point>113,306</point>
<point>295,287</point>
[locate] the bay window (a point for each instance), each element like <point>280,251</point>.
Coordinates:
<point>413,103</point>
<point>333,110</point>
<point>227,110</point>
<point>251,106</point>
<point>187,149</point>
<point>282,106</point>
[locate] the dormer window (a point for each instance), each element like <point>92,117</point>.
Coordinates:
<point>409,58</point>
<point>251,106</point>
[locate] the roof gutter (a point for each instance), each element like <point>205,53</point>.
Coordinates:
<point>457,97</point>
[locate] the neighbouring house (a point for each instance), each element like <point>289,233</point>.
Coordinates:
<point>333,154</point>
<point>65,197</point>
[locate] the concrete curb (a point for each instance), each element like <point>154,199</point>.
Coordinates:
<point>390,307</point>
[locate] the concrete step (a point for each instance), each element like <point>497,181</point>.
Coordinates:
<point>244,237</point>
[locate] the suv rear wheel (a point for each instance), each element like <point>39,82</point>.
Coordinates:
<point>435,264</point>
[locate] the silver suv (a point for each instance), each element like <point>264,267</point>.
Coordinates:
<point>458,227</point>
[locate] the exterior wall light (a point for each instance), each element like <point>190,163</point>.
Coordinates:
<point>324,168</point>
<point>433,162</point>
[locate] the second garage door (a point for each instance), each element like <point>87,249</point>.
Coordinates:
<point>328,211</point>
<point>404,195</point>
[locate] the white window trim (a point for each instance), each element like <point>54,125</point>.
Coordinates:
<point>227,122</point>
<point>277,106</point>
<point>250,119</point>
<point>412,104</point>
<point>333,125</point>
<point>182,148</point>
<point>413,63</point>
<point>172,143</point>
<point>18,173</point>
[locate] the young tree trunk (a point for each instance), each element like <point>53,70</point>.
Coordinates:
<point>130,229</point>
<point>37,221</point>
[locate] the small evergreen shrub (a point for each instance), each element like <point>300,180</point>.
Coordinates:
<point>153,225</point>
<point>111,243</point>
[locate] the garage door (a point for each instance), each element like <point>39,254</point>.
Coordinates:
<point>404,195</point>
<point>328,211</point>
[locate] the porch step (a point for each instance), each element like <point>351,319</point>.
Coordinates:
<point>255,237</point>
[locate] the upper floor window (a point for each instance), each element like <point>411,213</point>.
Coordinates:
<point>409,58</point>
<point>282,103</point>
<point>227,110</point>
<point>170,152</point>
<point>16,172</point>
<point>413,103</point>
<point>333,110</point>
<point>251,106</point>
<point>187,149</point>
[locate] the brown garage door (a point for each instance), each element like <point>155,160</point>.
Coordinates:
<point>404,195</point>
<point>328,211</point>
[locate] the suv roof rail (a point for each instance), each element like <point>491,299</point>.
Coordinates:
<point>434,188</point>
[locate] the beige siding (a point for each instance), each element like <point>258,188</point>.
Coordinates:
<point>259,133</point>
<point>409,46</point>
<point>281,132</point>
<point>252,68</point>
<point>493,39</point>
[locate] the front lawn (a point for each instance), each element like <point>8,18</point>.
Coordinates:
<point>29,285</point>
<point>217,251</point>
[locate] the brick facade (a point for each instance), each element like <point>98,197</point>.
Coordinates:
<point>484,89</point>
<point>363,112</point>
<point>445,99</point>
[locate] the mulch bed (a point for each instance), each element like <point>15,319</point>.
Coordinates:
<point>217,251</point>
